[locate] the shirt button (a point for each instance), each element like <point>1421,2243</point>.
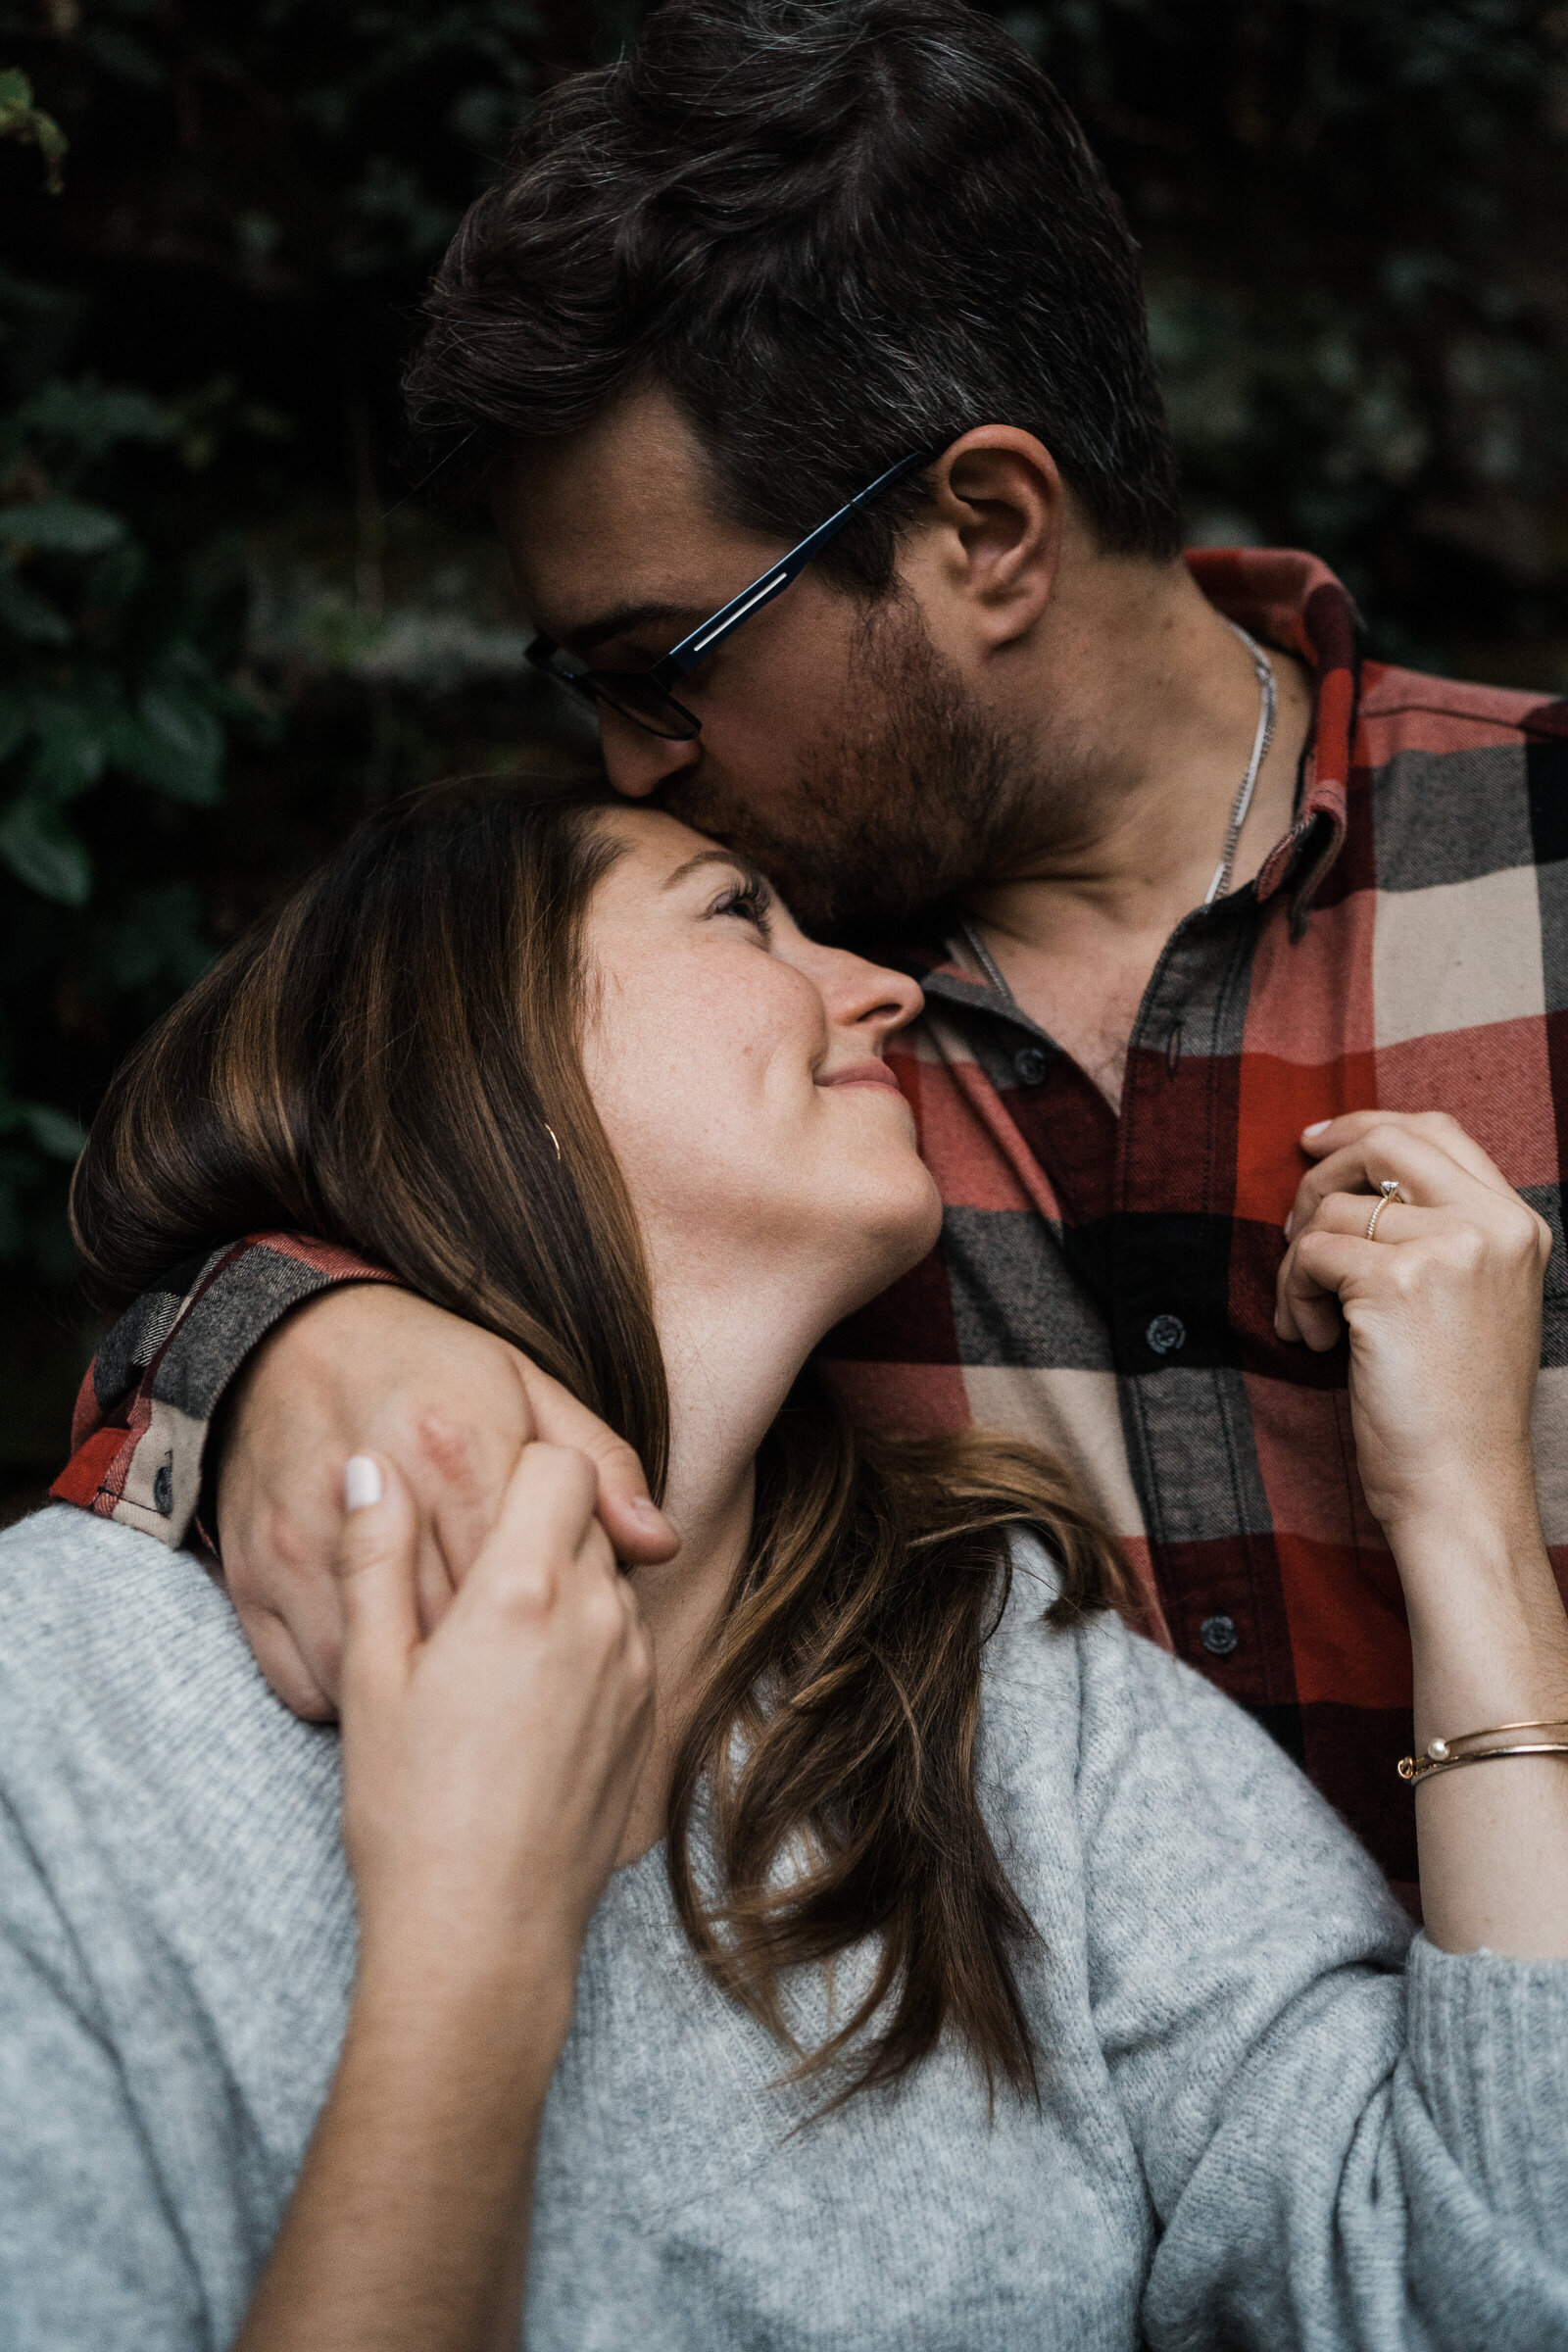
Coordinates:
<point>164,1489</point>
<point>1218,1635</point>
<point>1165,1333</point>
<point>1031,1066</point>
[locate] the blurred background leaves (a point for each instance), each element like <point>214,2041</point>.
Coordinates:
<point>227,626</point>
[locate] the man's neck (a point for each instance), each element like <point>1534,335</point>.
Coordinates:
<point>1140,763</point>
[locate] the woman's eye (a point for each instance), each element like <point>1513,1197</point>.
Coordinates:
<point>749,902</point>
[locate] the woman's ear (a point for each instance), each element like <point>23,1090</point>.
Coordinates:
<point>999,506</point>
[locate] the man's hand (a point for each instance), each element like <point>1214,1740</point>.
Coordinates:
<point>369,1369</point>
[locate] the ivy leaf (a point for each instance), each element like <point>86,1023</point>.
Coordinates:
<point>42,852</point>
<point>173,743</point>
<point>53,1131</point>
<point>61,526</point>
<point>91,416</point>
<point>19,119</point>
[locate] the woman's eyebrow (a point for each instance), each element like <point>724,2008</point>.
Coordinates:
<point>737,865</point>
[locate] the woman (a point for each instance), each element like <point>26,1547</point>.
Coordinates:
<point>848,1933</point>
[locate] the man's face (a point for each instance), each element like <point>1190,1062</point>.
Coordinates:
<point>839,749</point>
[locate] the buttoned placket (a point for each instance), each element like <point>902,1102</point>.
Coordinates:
<point>1183,1407</point>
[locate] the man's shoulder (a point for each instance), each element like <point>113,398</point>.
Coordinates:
<point>1404,711</point>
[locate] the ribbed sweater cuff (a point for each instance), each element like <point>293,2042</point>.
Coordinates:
<point>1488,2041</point>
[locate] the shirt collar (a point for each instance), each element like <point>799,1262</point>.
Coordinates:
<point>1292,600</point>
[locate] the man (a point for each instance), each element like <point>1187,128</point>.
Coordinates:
<point>1177,894</point>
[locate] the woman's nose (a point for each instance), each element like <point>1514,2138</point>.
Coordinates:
<point>868,997</point>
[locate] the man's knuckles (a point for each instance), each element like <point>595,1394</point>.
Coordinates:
<point>465,1458</point>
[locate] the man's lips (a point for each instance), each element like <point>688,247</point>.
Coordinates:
<point>861,1073</point>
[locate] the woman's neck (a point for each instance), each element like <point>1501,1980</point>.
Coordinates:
<point>731,1358</point>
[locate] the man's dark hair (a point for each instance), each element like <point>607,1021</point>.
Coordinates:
<point>833,232</point>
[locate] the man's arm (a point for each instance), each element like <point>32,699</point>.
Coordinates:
<point>302,1356</point>
<point>139,1436</point>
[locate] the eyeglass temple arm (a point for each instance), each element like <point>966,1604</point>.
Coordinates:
<point>769,584</point>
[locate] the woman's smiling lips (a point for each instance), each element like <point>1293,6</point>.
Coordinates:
<point>859,1073</point>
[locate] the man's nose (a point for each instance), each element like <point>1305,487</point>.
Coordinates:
<point>637,762</point>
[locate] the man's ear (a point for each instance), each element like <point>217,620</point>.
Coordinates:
<point>993,540</point>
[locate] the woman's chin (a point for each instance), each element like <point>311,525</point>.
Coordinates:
<point>902,1226</point>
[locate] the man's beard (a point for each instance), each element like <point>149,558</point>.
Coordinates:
<point>917,794</point>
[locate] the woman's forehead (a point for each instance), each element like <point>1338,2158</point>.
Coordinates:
<point>659,852</point>
<point>658,846</point>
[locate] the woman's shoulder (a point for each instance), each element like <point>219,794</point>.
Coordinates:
<point>84,1601</point>
<point>1149,1754</point>
<point>1098,1681</point>
<point>63,1547</point>
<point>1076,1697</point>
<point>132,1714</point>
<point>1094,1666</point>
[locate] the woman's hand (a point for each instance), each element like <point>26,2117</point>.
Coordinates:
<point>1443,1311</point>
<point>1443,1308</point>
<point>488,1771</point>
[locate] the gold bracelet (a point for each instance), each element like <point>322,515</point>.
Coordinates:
<point>1481,1747</point>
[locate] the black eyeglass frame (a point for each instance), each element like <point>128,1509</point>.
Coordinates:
<point>602,685</point>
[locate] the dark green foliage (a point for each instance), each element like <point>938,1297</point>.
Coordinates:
<point>1354,215</point>
<point>116,691</point>
<point>21,120</point>
<point>225,628</point>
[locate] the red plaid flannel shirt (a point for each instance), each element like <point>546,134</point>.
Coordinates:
<point>1105,1283</point>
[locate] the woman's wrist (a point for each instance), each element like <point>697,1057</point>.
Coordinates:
<point>515,1991</point>
<point>408,2225</point>
<point>1444,1546</point>
<point>1491,1513</point>
<point>1487,1634</point>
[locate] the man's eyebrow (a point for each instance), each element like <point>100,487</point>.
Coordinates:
<point>737,865</point>
<point>625,619</point>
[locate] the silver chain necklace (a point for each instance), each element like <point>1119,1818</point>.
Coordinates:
<point>1268,711</point>
<point>1269,699</point>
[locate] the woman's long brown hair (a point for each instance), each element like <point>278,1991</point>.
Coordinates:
<point>391,1061</point>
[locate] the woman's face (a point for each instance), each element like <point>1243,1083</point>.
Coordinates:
<point>737,1069</point>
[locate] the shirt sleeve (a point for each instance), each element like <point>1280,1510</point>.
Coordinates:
<point>148,1401</point>
<point>1342,2150</point>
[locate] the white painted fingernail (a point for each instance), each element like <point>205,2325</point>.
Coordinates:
<point>1316,1127</point>
<point>361,1482</point>
<point>1288,1222</point>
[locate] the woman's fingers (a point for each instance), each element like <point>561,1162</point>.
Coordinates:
<point>1435,1164</point>
<point>544,1530</point>
<point>1475,1222</point>
<point>1356,1151</point>
<point>1432,1166</point>
<point>378,1570</point>
<point>1434,1126</point>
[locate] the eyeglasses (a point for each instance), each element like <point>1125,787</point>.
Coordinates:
<point>644,695</point>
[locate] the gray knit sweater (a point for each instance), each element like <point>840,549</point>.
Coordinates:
<point>1256,2128</point>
